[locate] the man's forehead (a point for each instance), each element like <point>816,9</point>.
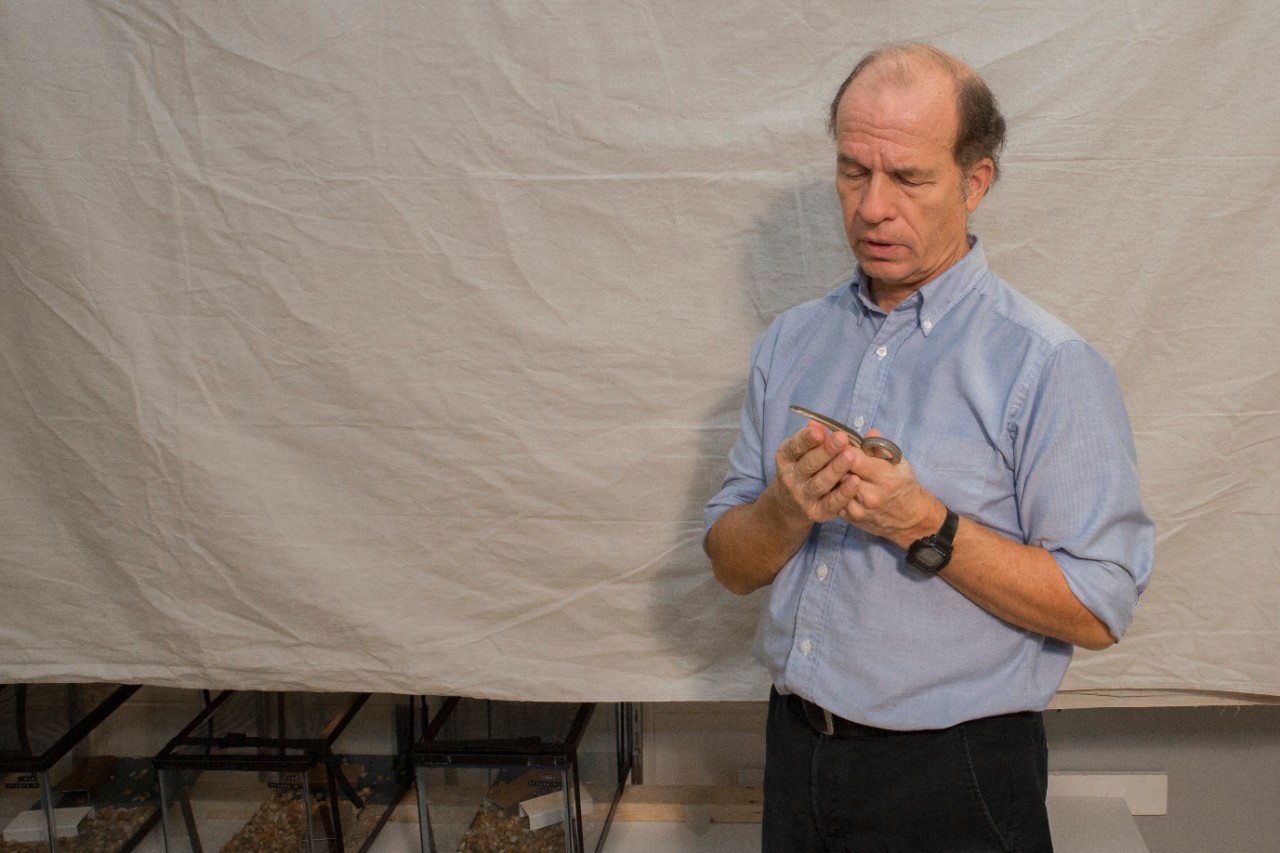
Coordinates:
<point>899,109</point>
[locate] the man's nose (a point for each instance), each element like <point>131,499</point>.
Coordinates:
<point>878,202</point>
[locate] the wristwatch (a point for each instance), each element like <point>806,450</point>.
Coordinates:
<point>932,553</point>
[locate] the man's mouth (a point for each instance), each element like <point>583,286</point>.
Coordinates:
<point>878,248</point>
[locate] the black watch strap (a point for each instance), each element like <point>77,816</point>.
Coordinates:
<point>931,554</point>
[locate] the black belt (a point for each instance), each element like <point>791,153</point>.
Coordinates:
<point>828,724</point>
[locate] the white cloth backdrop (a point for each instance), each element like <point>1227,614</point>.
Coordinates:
<point>396,345</point>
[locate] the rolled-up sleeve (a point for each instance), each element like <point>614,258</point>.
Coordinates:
<point>749,469</point>
<point>1078,489</point>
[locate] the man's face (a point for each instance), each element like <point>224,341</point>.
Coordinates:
<point>900,188</point>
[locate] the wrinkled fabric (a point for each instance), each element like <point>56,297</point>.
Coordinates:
<point>397,346</point>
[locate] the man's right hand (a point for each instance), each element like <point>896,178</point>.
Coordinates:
<point>750,543</point>
<point>813,469</point>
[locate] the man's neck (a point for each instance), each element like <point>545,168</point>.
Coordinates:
<point>887,297</point>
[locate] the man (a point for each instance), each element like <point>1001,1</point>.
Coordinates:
<point>920,615</point>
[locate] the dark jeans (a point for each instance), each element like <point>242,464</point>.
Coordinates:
<point>978,786</point>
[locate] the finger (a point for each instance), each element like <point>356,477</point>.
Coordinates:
<point>843,499</point>
<point>802,441</point>
<point>826,464</point>
<point>815,456</point>
<point>810,482</point>
<point>827,491</point>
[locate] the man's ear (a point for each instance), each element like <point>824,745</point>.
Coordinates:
<point>977,182</point>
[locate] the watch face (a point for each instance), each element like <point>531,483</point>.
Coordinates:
<point>929,557</point>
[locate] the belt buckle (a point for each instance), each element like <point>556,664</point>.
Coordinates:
<point>828,723</point>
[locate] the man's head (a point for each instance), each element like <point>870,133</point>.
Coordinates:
<point>918,135</point>
<point>982,128</point>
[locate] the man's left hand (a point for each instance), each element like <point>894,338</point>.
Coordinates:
<point>889,502</point>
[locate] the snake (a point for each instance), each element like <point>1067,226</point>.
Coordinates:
<point>881,448</point>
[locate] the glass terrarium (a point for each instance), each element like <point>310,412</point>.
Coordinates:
<point>287,772</point>
<point>521,777</point>
<point>58,794</point>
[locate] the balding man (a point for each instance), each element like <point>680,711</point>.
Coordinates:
<point>920,614</point>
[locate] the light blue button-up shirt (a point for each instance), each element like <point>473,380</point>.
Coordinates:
<point>1008,417</point>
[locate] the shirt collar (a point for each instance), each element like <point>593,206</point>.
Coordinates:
<point>935,300</point>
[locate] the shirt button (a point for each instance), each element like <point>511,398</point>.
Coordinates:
<point>882,352</point>
<point>805,647</point>
<point>822,572</point>
<point>859,422</point>
<point>927,325</point>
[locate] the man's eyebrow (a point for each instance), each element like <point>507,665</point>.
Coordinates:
<point>911,173</point>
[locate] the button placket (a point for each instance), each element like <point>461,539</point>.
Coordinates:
<point>874,369</point>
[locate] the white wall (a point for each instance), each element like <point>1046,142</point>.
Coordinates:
<point>1223,765</point>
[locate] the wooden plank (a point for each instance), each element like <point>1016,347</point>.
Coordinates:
<point>691,804</point>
